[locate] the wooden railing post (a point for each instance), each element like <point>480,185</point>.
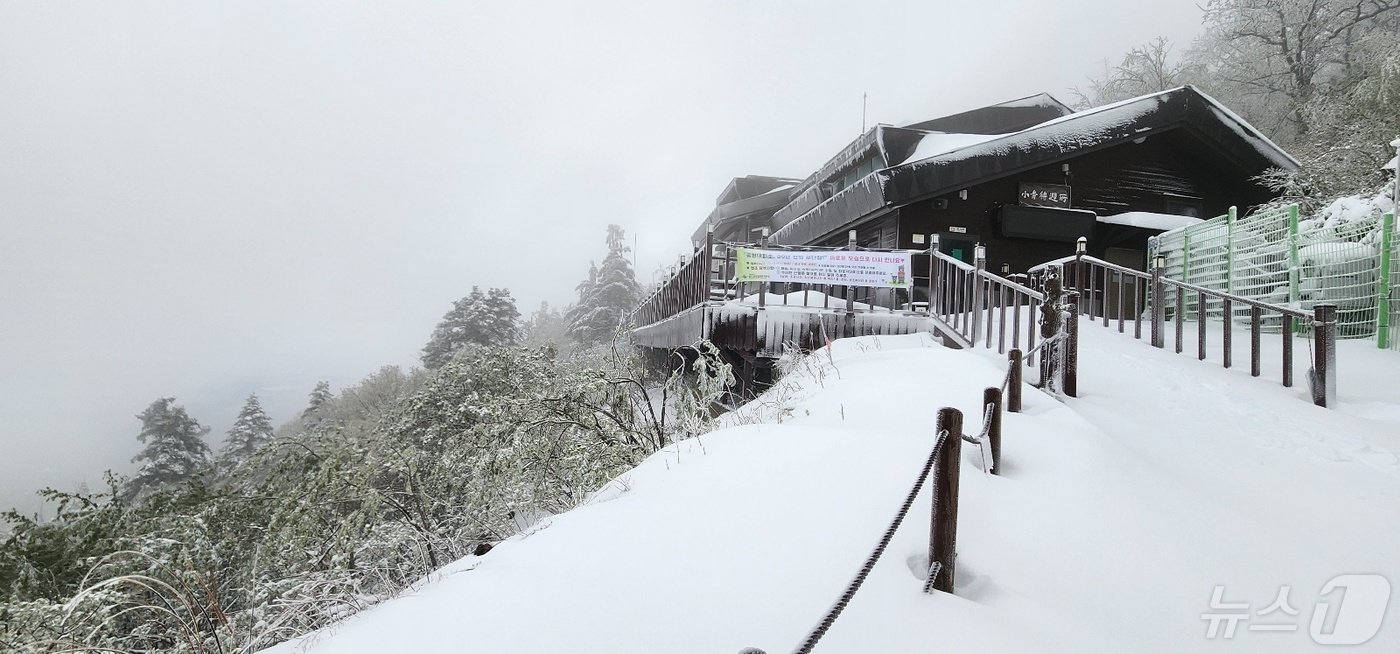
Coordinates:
<point>980,262</point>
<point>1013,386</point>
<point>763,286</point>
<point>1159,303</point>
<point>850,290</point>
<point>1081,246</point>
<point>1071,356</point>
<point>943,531</point>
<point>1324,377</point>
<point>992,396</point>
<point>934,296</point>
<point>708,269</point>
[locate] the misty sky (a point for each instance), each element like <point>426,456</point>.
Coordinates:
<point>208,199</point>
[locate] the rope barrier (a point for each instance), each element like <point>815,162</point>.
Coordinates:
<point>830,618</point>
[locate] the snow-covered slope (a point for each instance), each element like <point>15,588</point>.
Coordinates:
<point>1118,515</point>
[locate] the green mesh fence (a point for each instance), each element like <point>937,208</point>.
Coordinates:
<point>1278,257</point>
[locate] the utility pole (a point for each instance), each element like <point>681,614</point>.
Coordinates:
<point>864,98</point>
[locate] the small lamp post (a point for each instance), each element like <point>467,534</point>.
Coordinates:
<point>1081,247</point>
<point>1005,269</point>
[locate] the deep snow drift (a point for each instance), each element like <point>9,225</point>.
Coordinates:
<point>1118,515</point>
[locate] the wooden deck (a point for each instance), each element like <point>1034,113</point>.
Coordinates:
<point>763,331</point>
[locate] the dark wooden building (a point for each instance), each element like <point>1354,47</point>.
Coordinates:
<point>1024,178</point>
<point>1027,178</point>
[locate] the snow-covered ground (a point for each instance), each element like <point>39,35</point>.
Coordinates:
<point>1118,516</point>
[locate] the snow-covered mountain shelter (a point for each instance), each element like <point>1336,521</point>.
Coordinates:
<point>1023,179</point>
<point>1027,178</point>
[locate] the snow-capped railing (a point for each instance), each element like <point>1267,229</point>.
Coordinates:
<point>1110,293</point>
<point>972,300</point>
<point>688,286</point>
<point>709,275</point>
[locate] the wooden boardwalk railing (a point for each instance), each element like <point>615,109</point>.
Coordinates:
<point>1111,293</point>
<point>975,301</point>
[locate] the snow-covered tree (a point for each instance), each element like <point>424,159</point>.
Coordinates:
<point>607,297</point>
<point>175,450</point>
<point>545,327</point>
<point>1147,68</point>
<point>311,416</point>
<point>488,319</point>
<point>250,431</point>
<point>1286,53</point>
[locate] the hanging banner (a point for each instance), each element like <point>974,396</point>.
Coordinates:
<point>840,267</point>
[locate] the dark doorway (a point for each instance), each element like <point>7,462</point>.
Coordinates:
<point>958,246</point>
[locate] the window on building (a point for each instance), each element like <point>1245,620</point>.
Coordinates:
<point>857,173</point>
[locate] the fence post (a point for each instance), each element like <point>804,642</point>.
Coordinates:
<point>763,286</point>
<point>1324,376</point>
<point>1013,387</point>
<point>1383,288</point>
<point>992,396</point>
<point>1159,303</point>
<point>1081,246</point>
<point>709,267</point>
<point>943,531</point>
<point>1230,251</point>
<point>1293,267</point>
<point>1071,357</point>
<point>980,261</point>
<point>850,291</point>
<point>933,285</point>
<point>1186,255</point>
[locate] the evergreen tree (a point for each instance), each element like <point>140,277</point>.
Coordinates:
<point>487,319</point>
<point>545,327</point>
<point>311,416</point>
<point>607,297</point>
<point>175,449</point>
<point>250,431</point>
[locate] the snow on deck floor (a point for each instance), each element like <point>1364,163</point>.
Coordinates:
<point>1117,516</point>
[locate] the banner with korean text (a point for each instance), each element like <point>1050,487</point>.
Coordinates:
<point>839,267</point>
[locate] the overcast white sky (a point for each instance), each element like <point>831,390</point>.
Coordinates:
<point>208,199</point>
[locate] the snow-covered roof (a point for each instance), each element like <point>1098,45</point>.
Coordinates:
<point>936,143</point>
<point>949,162</point>
<point>1149,220</point>
<point>1390,165</point>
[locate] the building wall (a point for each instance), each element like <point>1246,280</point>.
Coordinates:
<point>1162,175</point>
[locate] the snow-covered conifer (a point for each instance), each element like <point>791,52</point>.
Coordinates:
<point>607,297</point>
<point>250,431</point>
<point>489,319</point>
<point>175,449</point>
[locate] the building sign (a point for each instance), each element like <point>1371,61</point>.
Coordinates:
<point>840,267</point>
<point>1044,195</point>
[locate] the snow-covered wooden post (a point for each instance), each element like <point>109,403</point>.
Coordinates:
<point>933,284</point>
<point>1081,247</point>
<point>978,293</point>
<point>943,532</point>
<point>1324,377</point>
<point>1071,356</point>
<point>850,290</point>
<point>1013,385</point>
<point>992,397</point>
<point>763,286</point>
<point>1159,302</point>
<point>708,268</point>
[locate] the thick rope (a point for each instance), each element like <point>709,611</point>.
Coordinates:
<point>986,427</point>
<point>830,618</point>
